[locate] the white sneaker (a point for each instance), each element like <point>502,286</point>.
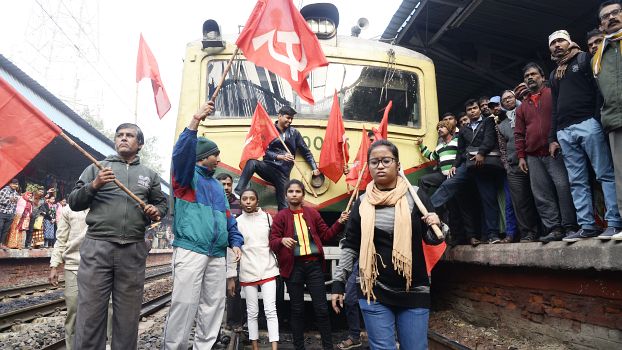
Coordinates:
<point>617,236</point>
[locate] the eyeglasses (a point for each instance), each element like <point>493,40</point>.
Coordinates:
<point>386,161</point>
<point>613,13</point>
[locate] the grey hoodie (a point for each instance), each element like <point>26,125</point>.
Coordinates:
<point>113,215</point>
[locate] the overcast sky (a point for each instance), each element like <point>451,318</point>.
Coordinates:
<point>86,53</point>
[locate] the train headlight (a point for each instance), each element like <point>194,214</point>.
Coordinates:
<point>324,28</point>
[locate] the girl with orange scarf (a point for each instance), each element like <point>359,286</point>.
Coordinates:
<point>388,234</point>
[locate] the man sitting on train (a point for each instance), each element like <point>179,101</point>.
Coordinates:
<point>277,163</point>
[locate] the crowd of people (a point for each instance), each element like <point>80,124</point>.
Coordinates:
<point>28,219</point>
<point>547,143</point>
<point>542,142</point>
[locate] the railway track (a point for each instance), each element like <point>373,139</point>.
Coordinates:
<point>43,287</point>
<point>148,308</point>
<point>8,319</point>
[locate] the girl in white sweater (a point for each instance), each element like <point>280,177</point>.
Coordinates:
<point>258,267</point>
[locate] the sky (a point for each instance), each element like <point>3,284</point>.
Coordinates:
<point>84,52</point>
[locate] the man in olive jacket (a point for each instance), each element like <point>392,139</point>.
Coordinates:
<point>606,67</point>
<point>114,252</point>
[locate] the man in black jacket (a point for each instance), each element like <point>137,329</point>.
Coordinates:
<point>114,252</point>
<point>476,142</point>
<point>278,162</point>
<point>580,136</point>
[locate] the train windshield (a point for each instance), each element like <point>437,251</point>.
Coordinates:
<point>363,92</point>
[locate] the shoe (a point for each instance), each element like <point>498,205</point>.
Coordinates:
<point>581,234</point>
<point>617,236</point>
<point>528,239</point>
<point>349,344</point>
<point>494,241</point>
<point>507,240</point>
<point>475,242</point>
<point>609,233</point>
<point>554,235</point>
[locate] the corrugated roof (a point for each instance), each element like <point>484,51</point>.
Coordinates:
<point>479,46</point>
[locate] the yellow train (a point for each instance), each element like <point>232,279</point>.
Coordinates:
<point>365,73</point>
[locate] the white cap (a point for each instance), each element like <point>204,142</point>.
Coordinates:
<point>559,34</point>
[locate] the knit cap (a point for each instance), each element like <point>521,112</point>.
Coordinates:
<point>559,34</point>
<point>205,148</point>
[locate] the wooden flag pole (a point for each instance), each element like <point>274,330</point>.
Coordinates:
<point>100,167</point>
<point>135,106</point>
<point>224,75</point>
<point>302,175</point>
<point>343,151</point>
<point>356,189</point>
<point>419,203</point>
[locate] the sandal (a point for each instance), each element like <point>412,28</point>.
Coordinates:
<point>349,344</point>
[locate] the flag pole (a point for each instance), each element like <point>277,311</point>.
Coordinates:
<point>224,75</point>
<point>100,167</point>
<point>356,189</point>
<point>136,106</point>
<point>343,151</point>
<point>302,175</point>
<point>420,205</point>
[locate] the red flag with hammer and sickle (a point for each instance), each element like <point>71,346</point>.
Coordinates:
<point>277,37</point>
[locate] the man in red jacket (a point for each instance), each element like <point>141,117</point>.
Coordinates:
<point>547,174</point>
<point>296,237</point>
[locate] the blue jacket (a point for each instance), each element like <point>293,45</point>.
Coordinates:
<point>203,222</point>
<point>293,140</point>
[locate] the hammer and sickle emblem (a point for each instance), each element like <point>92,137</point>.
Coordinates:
<point>289,39</point>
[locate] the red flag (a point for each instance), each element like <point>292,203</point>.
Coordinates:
<point>361,158</point>
<point>332,155</point>
<point>432,254</point>
<point>277,37</point>
<point>259,136</point>
<point>147,67</point>
<point>383,129</point>
<point>24,133</point>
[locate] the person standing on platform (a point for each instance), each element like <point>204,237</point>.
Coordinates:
<point>8,202</point>
<point>607,67</point>
<point>580,136</point>
<point>21,222</point>
<point>296,238</point>
<point>204,227</point>
<point>49,221</point>
<point>277,163</point>
<point>113,253</point>
<point>71,231</point>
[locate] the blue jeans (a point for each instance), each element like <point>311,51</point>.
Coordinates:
<point>383,321</point>
<point>583,145</point>
<point>510,217</point>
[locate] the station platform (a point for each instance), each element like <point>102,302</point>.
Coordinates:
<point>569,293</point>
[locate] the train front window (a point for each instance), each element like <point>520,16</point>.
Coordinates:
<point>363,92</point>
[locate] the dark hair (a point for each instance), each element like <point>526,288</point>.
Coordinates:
<point>287,110</point>
<point>482,99</point>
<point>223,176</point>
<point>605,4</point>
<point>592,33</point>
<point>387,144</point>
<point>139,133</point>
<point>462,114</point>
<point>470,102</point>
<point>248,189</point>
<point>534,65</point>
<point>447,114</point>
<point>15,181</point>
<point>295,182</point>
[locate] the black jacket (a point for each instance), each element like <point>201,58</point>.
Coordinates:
<point>574,96</point>
<point>483,138</point>
<point>294,142</point>
<point>114,216</point>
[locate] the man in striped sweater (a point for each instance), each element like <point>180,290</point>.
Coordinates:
<point>445,154</point>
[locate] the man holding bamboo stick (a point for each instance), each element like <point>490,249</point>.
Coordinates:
<point>278,160</point>
<point>114,252</point>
